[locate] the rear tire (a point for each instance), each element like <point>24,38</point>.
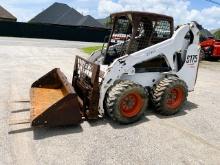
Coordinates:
<point>126,102</point>
<point>169,95</point>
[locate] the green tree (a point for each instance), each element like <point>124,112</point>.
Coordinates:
<point>108,22</point>
<point>217,34</point>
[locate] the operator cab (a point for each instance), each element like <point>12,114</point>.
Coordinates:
<point>133,31</point>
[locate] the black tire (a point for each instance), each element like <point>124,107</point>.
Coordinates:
<point>202,55</point>
<point>162,92</point>
<point>117,94</point>
<point>207,56</point>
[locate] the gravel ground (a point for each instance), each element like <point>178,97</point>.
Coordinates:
<point>190,137</point>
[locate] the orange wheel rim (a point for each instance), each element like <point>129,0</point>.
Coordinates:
<point>131,104</point>
<point>176,96</point>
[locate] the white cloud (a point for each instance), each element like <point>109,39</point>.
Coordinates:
<point>107,6</point>
<point>179,9</point>
<point>83,11</point>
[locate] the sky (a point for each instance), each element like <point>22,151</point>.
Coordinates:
<point>183,11</point>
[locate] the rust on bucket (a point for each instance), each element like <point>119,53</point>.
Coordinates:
<point>54,101</point>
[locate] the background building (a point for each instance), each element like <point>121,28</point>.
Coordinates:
<point>6,16</point>
<point>62,14</point>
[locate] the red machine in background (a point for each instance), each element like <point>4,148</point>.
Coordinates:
<point>210,49</point>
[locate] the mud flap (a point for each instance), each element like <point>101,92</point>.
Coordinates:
<point>54,101</point>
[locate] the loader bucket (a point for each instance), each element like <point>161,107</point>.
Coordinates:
<point>54,101</point>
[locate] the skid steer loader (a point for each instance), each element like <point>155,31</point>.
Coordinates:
<point>150,62</point>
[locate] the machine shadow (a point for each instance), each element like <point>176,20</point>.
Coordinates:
<point>188,106</point>
<point>44,132</point>
<point>20,110</point>
<point>22,130</point>
<point>106,120</point>
<point>21,101</point>
<point>21,126</point>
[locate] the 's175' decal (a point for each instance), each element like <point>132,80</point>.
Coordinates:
<point>191,59</point>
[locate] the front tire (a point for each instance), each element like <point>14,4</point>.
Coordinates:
<point>126,102</point>
<point>169,95</point>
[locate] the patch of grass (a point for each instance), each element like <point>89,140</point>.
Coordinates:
<point>91,49</point>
